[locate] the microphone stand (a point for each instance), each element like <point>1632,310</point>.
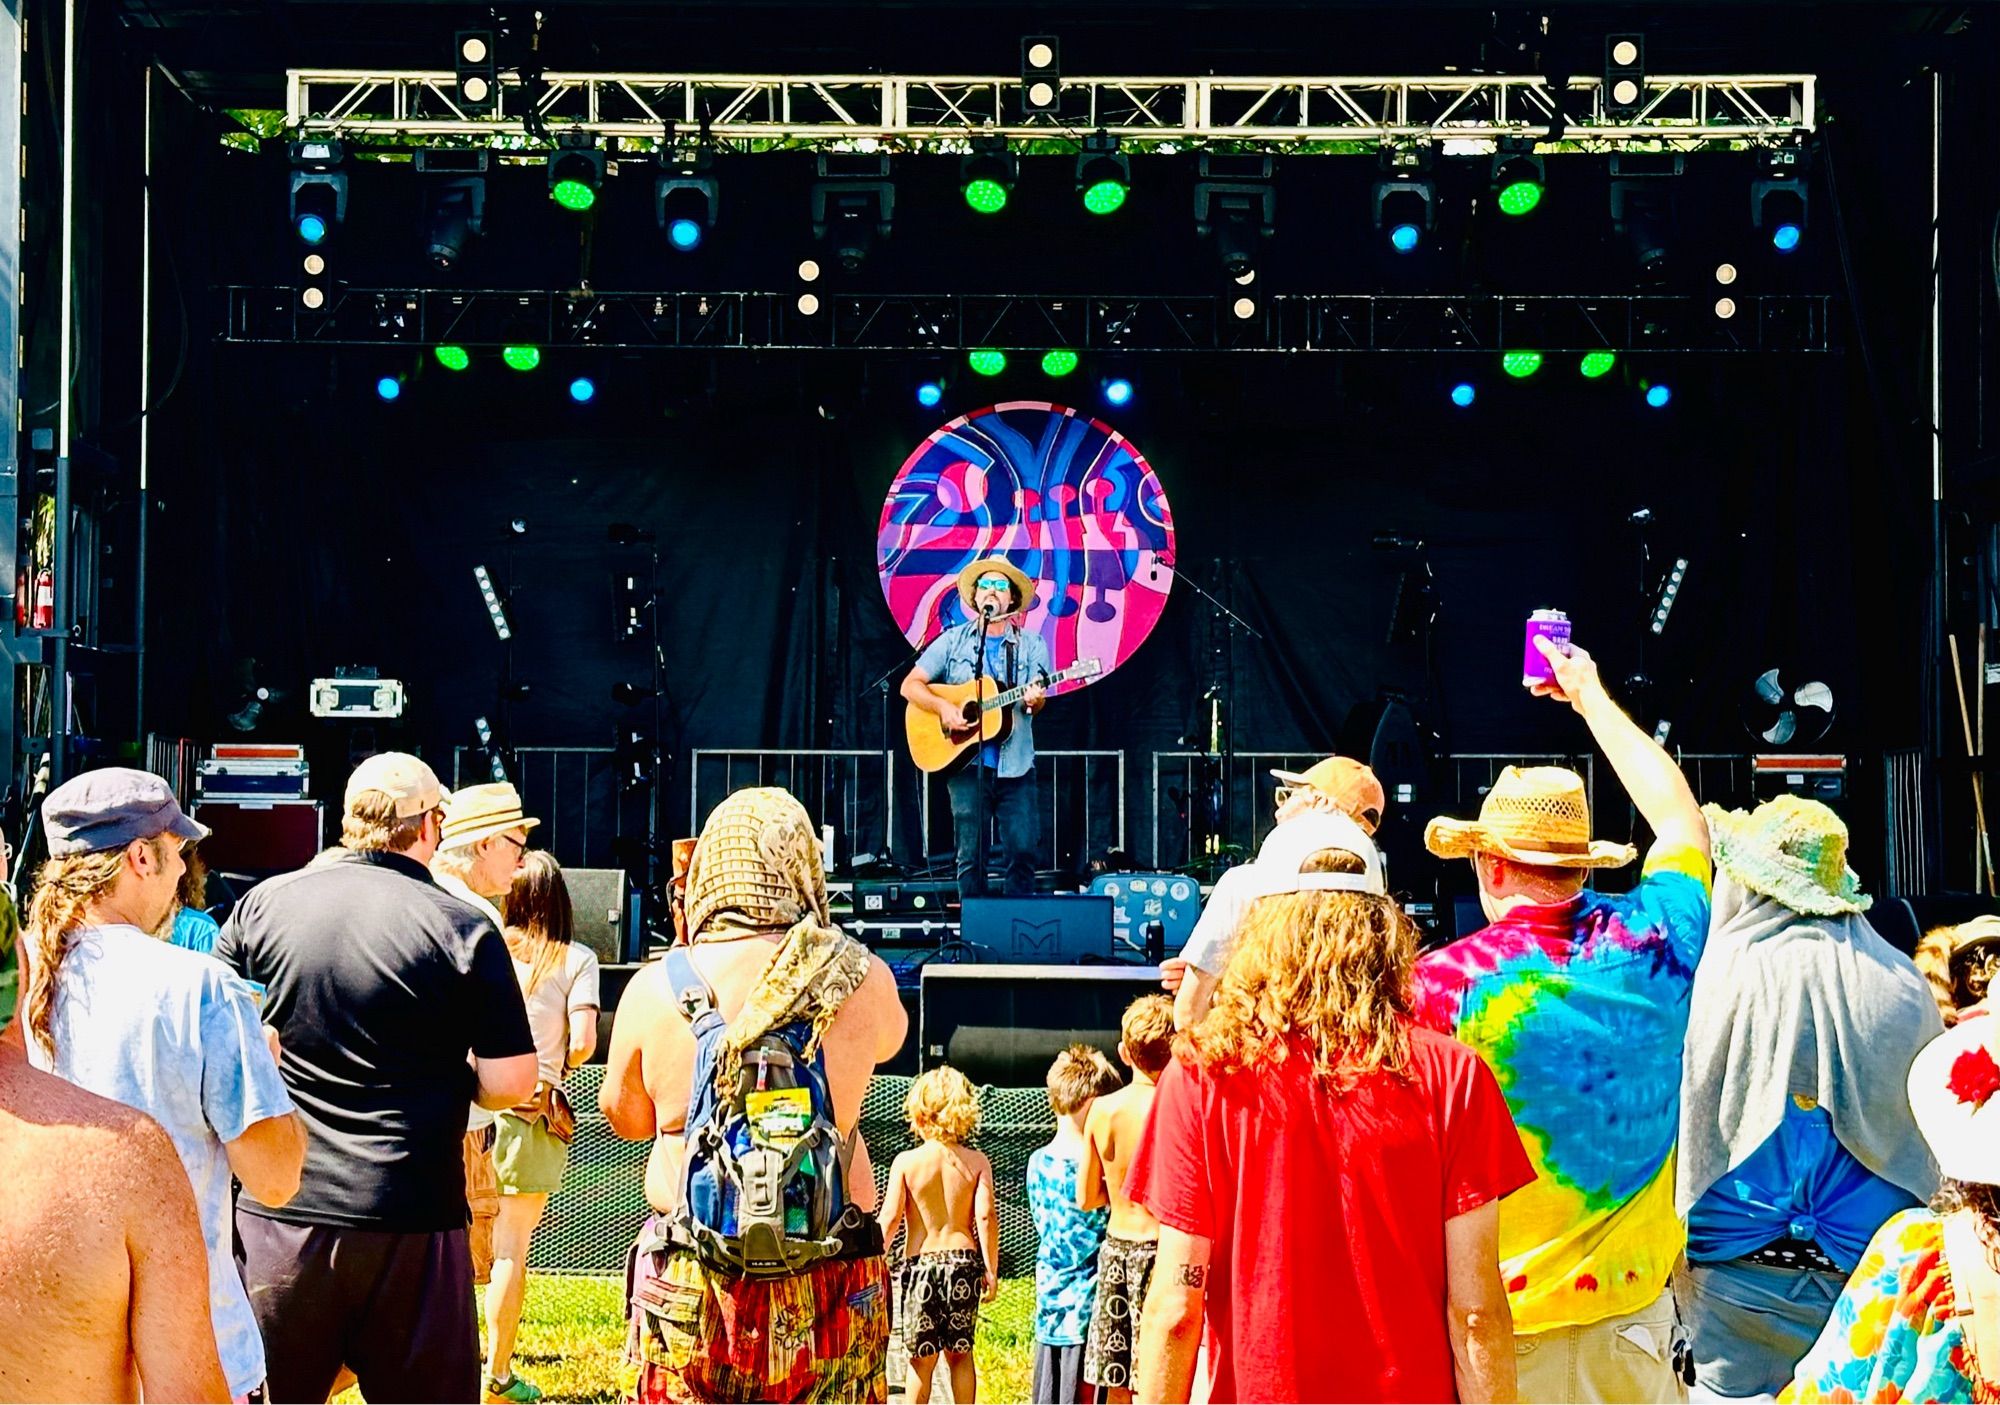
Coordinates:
<point>1221,719</point>
<point>982,790</point>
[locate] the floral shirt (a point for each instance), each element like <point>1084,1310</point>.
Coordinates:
<point>1066,1250</point>
<point>1580,1009</point>
<point>1892,1336</point>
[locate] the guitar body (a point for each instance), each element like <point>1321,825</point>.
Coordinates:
<point>933,748</point>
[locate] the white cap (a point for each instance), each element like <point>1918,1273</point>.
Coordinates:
<point>1288,847</point>
<point>402,777</point>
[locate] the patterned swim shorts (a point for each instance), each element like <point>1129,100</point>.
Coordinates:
<point>1124,1269</point>
<point>700,1334</point>
<point>939,1302</point>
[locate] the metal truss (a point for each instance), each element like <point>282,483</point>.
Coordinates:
<point>763,110</point>
<point>421,317</point>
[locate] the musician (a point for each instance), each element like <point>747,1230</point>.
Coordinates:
<point>996,596</point>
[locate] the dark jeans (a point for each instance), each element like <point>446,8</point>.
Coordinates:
<point>1013,806</point>
<point>395,1308</point>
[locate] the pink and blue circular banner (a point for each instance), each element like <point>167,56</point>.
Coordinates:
<point>1064,497</point>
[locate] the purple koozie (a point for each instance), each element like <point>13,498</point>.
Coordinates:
<point>1552,625</point>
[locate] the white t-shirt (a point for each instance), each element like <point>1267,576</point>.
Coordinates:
<point>177,1035</point>
<point>570,987</point>
<point>1213,941</point>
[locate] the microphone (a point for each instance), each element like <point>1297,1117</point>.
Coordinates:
<point>986,611</point>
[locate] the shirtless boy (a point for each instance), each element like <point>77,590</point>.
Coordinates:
<point>1125,1264</point>
<point>943,1191</point>
<point>105,1293</point>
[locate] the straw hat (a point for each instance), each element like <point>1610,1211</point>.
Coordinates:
<point>1024,589</point>
<point>1791,849</point>
<point>1955,1095</point>
<point>1534,815</point>
<point>480,811</point>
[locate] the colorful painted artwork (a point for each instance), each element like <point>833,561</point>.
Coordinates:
<point>1066,498</point>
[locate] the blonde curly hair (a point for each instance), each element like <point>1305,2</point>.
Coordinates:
<point>943,1106</point>
<point>1324,974</point>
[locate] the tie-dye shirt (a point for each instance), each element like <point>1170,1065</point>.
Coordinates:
<point>1580,1009</point>
<point>1066,1243</point>
<point>1894,1334</point>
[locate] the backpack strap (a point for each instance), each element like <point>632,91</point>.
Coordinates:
<point>694,997</point>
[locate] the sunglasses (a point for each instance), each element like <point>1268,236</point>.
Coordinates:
<point>993,583</point>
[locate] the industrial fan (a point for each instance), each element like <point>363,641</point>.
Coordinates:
<point>1783,715</point>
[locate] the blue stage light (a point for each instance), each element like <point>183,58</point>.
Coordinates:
<point>1463,394</point>
<point>388,387</point>
<point>1658,395</point>
<point>685,235</point>
<point>1785,238</point>
<point>1403,238</point>
<point>930,395</point>
<point>312,228</point>
<point>1118,391</point>
<point>582,390</point>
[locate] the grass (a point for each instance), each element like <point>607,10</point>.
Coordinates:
<point>572,1341</point>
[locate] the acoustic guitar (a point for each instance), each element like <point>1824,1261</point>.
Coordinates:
<point>934,747</point>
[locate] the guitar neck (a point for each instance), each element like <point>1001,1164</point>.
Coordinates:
<point>1013,695</point>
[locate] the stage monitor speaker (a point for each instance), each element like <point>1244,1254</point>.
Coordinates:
<point>260,837</point>
<point>1050,929</point>
<point>1005,1024</point>
<point>597,896</point>
<point>1903,921</point>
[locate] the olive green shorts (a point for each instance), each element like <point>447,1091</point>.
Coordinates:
<point>528,1157</point>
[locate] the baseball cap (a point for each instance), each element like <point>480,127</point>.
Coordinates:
<point>110,807</point>
<point>402,777</point>
<point>1347,783</point>
<point>1280,865</point>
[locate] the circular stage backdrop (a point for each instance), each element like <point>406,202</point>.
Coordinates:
<point>1066,498</point>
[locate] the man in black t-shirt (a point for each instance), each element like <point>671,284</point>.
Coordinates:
<point>396,1005</point>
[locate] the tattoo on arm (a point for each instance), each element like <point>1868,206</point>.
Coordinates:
<point>1194,1275</point>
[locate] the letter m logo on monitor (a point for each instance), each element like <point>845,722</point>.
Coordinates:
<point>1037,938</point>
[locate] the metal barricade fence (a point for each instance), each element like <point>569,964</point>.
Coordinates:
<point>1083,797</point>
<point>847,788</point>
<point>573,790</point>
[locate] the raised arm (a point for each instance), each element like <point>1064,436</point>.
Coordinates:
<point>1642,765</point>
<point>1477,1318</point>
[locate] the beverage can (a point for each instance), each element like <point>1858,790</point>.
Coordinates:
<point>1552,625</point>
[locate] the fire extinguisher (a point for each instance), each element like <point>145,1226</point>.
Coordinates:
<point>45,599</point>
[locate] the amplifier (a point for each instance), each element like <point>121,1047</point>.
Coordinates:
<point>1815,777</point>
<point>261,836</point>
<point>1140,899</point>
<point>1005,1024</point>
<point>877,898</point>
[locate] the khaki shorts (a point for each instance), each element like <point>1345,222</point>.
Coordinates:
<point>482,1198</point>
<point>1627,1359</point>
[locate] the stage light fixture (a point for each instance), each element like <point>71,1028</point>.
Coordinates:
<point>575,171</point>
<point>483,729</point>
<point>1778,197</point>
<point>809,271</point>
<point>583,390</point>
<point>1669,594</point>
<point>1725,308</point>
<point>453,358</point>
<point>1520,364</point>
<point>1518,176</point>
<point>853,204</point>
<point>1103,174</point>
<point>1658,396</point>
<point>495,611</point>
<point>1235,205</point>
<point>809,304</point>
<point>1463,394</point>
<point>476,72</point>
<point>930,394</point>
<point>454,205</point>
<point>986,177</point>
<point>986,362</point>
<point>1117,392</point>
<point>1624,75</point>
<point>1058,362</point>
<point>1725,273</point>
<point>1404,199</point>
<point>1244,309</point>
<point>687,199</point>
<point>388,387</point>
<point>1596,363</point>
<point>521,358</point>
<point>318,200</point>
<point>1642,209</point>
<point>1041,75</point>
<point>314,265</point>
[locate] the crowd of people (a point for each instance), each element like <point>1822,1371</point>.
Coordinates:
<point>1708,1137</point>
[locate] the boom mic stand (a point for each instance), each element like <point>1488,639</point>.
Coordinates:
<point>1219,744</point>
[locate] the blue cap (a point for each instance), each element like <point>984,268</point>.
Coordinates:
<point>109,808</point>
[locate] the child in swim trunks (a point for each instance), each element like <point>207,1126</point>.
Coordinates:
<point>943,1192</point>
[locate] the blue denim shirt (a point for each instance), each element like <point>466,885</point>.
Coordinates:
<point>1021,656</point>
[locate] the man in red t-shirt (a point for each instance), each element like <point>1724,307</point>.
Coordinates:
<point>1326,1174</point>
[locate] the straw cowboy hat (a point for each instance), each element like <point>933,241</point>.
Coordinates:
<point>1024,589</point>
<point>1537,815</point>
<point>1791,849</point>
<point>479,811</point>
<point>1955,1095</point>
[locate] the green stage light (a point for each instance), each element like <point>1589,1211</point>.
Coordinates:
<point>1521,364</point>
<point>1105,197</point>
<point>1597,363</point>
<point>573,195</point>
<point>454,358</point>
<point>988,197</point>
<point>1058,362</point>
<point>987,363</point>
<point>522,358</point>
<point>1520,197</point>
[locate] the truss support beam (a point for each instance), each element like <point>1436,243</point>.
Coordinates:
<point>760,110</point>
<point>421,318</point>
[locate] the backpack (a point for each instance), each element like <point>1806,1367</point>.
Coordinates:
<point>764,1166</point>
